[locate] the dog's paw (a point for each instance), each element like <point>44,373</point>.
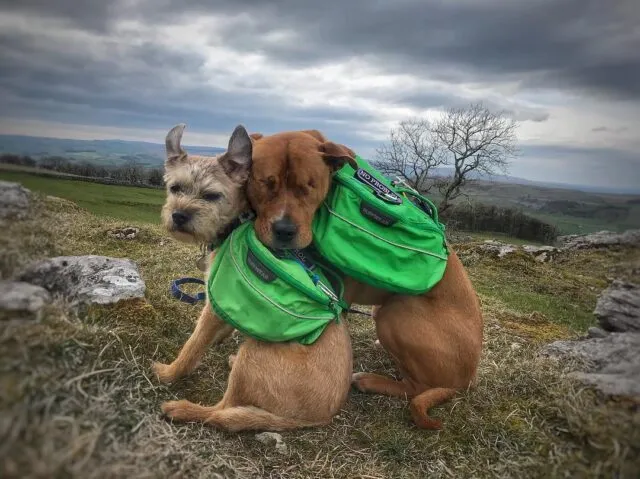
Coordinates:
<point>358,381</point>
<point>163,372</point>
<point>177,410</point>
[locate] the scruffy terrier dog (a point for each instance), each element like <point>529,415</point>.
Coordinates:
<point>205,195</point>
<point>272,386</point>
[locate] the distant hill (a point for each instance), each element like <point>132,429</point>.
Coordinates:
<point>444,172</point>
<point>115,152</point>
<point>107,152</point>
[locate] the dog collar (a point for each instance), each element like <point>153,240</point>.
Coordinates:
<point>227,230</point>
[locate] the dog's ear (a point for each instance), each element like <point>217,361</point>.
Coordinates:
<point>336,155</point>
<point>175,153</point>
<point>256,136</point>
<point>316,134</point>
<point>236,162</point>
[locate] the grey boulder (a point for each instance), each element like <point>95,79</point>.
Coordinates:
<point>14,200</point>
<point>20,297</point>
<point>618,307</point>
<point>601,239</point>
<point>87,279</point>
<point>497,248</point>
<point>610,364</point>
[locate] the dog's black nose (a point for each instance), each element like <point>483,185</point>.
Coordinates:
<point>180,218</point>
<point>284,230</point>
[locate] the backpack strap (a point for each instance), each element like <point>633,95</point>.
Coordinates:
<point>309,266</point>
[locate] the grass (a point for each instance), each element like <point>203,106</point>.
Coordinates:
<point>78,400</point>
<point>121,202</point>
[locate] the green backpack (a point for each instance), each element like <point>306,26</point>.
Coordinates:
<point>381,235</point>
<point>270,298</point>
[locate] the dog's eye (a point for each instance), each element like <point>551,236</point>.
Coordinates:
<point>212,196</point>
<point>175,189</point>
<point>311,183</point>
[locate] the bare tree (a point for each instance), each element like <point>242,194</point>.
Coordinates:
<point>467,140</point>
<point>476,140</point>
<point>155,177</point>
<point>131,172</point>
<point>411,153</point>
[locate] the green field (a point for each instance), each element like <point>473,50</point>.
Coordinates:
<point>139,205</point>
<point>570,211</point>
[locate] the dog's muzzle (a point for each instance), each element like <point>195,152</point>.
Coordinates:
<point>284,232</point>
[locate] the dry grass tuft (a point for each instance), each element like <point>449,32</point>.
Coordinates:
<point>77,398</point>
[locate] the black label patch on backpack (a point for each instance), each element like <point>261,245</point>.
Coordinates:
<point>264,273</point>
<point>376,215</point>
<point>303,258</point>
<point>381,190</point>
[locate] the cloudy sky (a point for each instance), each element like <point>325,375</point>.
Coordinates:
<point>568,70</point>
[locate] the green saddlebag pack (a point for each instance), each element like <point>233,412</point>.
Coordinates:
<point>385,236</point>
<point>269,298</point>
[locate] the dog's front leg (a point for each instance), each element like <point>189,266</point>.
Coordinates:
<point>209,330</point>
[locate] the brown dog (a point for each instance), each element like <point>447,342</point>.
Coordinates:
<point>271,386</point>
<point>434,338</point>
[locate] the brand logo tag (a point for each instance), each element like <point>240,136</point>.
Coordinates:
<point>376,215</point>
<point>381,190</point>
<point>264,273</point>
<point>303,258</point>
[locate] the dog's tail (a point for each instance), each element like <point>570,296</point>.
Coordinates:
<point>253,418</point>
<point>238,418</point>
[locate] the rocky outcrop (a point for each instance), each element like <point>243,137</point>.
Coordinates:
<point>610,364</point>
<point>22,298</point>
<point>600,239</point>
<point>498,249</point>
<point>610,356</point>
<point>87,279</point>
<point>14,200</point>
<point>272,439</point>
<point>543,254</point>
<point>618,307</point>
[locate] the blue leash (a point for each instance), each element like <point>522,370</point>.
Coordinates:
<point>184,297</point>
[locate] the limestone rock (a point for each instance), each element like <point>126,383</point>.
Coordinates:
<point>272,438</point>
<point>542,254</point>
<point>87,279</point>
<point>618,307</point>
<point>594,332</point>
<point>497,248</point>
<point>611,364</point>
<point>14,200</point>
<point>600,239</point>
<point>130,232</point>
<point>19,297</point>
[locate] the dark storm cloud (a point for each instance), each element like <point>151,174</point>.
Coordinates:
<point>140,86</point>
<point>585,44</point>
<point>86,14</point>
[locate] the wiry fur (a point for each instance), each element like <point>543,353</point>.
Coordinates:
<point>271,386</point>
<point>434,338</point>
<point>198,176</point>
